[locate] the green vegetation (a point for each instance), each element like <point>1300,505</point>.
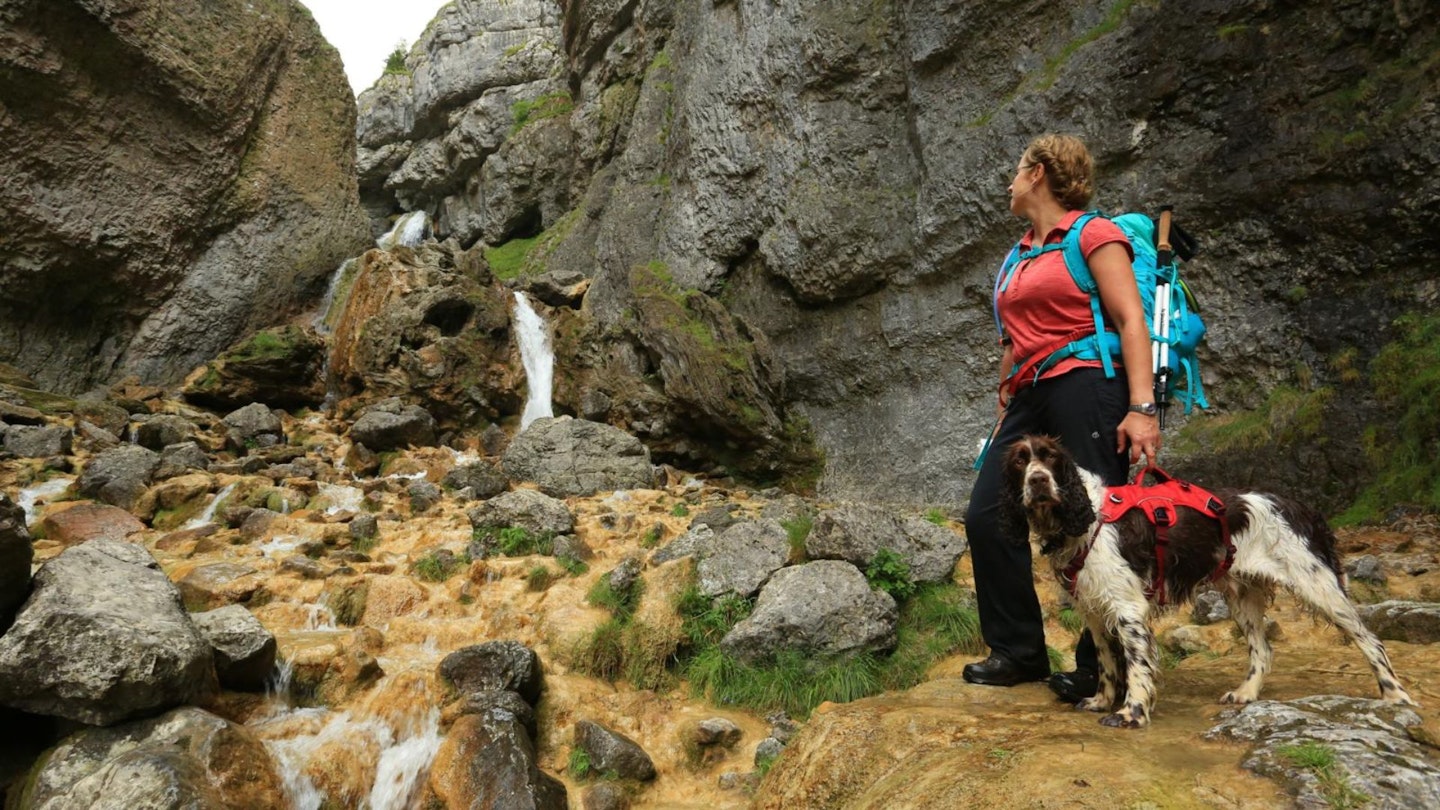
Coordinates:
<point>1057,659</point>
<point>539,578</point>
<point>365,545</point>
<point>267,344</point>
<point>550,105</point>
<point>889,572</point>
<point>526,256</point>
<point>797,529</point>
<point>651,537</point>
<point>620,603</point>
<point>1290,414</point>
<point>437,565</point>
<point>515,541</point>
<point>1232,31</point>
<point>574,566</point>
<point>934,515</point>
<point>395,62</point>
<point>1071,620</point>
<point>1319,759</point>
<point>765,763</point>
<point>507,260</point>
<point>1406,449</point>
<point>579,766</point>
<point>680,510</point>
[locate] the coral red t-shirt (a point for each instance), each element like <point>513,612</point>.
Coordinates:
<point>1041,304</point>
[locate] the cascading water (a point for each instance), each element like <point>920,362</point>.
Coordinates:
<point>335,294</point>
<point>209,514</point>
<point>30,497</point>
<point>538,359</point>
<point>409,230</point>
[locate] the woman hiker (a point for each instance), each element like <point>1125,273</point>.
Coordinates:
<point>1105,423</point>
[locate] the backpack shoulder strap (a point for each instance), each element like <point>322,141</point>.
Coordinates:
<point>1002,279</point>
<point>1085,280</point>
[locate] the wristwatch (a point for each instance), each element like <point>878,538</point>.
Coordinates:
<point>1146,408</point>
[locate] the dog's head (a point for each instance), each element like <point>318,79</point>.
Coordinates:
<point>1041,492</point>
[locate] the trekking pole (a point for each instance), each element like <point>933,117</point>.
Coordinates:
<point>1160,348</point>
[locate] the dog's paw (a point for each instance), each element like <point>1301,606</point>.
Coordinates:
<point>1401,697</point>
<point>1093,704</point>
<point>1236,698</point>
<point>1120,719</point>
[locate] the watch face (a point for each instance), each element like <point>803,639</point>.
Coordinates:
<point>1147,408</point>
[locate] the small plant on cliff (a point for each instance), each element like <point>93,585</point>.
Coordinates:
<point>797,529</point>
<point>1320,761</point>
<point>889,572</point>
<point>549,105</point>
<point>395,62</point>
<point>579,765</point>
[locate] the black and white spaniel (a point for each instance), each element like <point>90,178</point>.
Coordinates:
<point>1276,542</point>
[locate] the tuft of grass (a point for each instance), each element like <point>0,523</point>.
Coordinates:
<point>1334,785</point>
<point>621,604</point>
<point>602,653</point>
<point>890,572</point>
<point>516,541</point>
<point>550,105</point>
<point>395,62</point>
<point>579,765</point>
<point>1071,620</point>
<point>651,537</point>
<point>680,510</point>
<point>437,565</point>
<point>797,529</point>
<point>365,545</point>
<point>574,566</point>
<point>539,578</point>
<point>705,620</point>
<point>1057,659</point>
<point>934,515</point>
<point>764,764</point>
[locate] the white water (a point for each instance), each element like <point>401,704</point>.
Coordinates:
<point>279,544</point>
<point>538,359</point>
<point>342,275</point>
<point>30,497</point>
<point>341,498</point>
<point>208,515</point>
<point>410,230</point>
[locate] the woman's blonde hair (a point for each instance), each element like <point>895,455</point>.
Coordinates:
<point>1069,169</point>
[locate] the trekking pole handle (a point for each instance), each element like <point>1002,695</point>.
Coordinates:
<point>1162,240</point>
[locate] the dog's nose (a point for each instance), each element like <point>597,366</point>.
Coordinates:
<point>1038,480</point>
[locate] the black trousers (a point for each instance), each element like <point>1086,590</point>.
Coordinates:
<point>1083,409</point>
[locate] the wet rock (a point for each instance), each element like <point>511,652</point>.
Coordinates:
<point>257,523</point>
<point>1184,640</point>
<point>822,608</point>
<point>89,521</point>
<point>504,665</point>
<point>37,442</point>
<point>392,425</point>
<point>178,459</point>
<point>120,476</point>
<point>16,555</point>
<point>1367,741</point>
<point>103,638</point>
<point>533,511</point>
<point>484,700</point>
<point>423,495</point>
<point>12,413</point>
<point>254,425</point>
<point>185,758</point>
<point>566,456</point>
<point>688,544</point>
<point>610,750</point>
<point>718,518</point>
<point>162,430</point>
<point>717,731</point>
<point>218,584</point>
<point>1413,622</point>
<point>741,559</point>
<point>105,415</point>
<point>94,439</point>
<point>1209,607</point>
<point>483,478</point>
<point>857,532</point>
<point>488,760</point>
<point>244,650</point>
<point>604,796</point>
<point>280,366</point>
<point>1366,568</point>
<point>768,749</point>
<point>364,527</point>
<point>305,567</point>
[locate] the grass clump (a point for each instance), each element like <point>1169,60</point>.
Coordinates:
<point>365,544</point>
<point>437,565</point>
<point>934,515</point>
<point>620,603</point>
<point>574,566</point>
<point>395,62</point>
<point>539,578</point>
<point>680,510</point>
<point>1319,760</point>
<point>797,530</point>
<point>550,105</point>
<point>889,572</point>
<point>515,541</point>
<point>1405,449</point>
<point>1071,620</point>
<point>579,765</point>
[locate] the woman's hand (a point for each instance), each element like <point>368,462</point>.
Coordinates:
<point>1141,434</point>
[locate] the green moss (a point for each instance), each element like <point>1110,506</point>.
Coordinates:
<point>1289,415</point>
<point>527,256</point>
<point>1232,31</point>
<point>550,105</point>
<point>507,260</point>
<point>267,344</point>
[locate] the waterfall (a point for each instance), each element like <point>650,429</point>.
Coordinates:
<point>410,230</point>
<point>30,497</point>
<point>538,359</point>
<point>209,514</point>
<point>334,301</point>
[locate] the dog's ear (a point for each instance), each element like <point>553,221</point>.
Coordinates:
<point>1012,521</point>
<point>1075,512</point>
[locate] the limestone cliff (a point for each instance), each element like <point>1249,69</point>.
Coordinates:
<point>833,174</point>
<point>176,175</point>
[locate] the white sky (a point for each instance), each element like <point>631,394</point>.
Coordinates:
<point>366,31</point>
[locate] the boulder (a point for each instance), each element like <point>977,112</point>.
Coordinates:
<point>1412,622</point>
<point>162,430</point>
<point>105,415</point>
<point>740,559</point>
<point>482,478</point>
<point>254,425</point>
<point>178,459</point>
<point>482,701</point>
<point>119,477</point>
<point>691,543</point>
<point>280,367</point>
<point>103,638</point>
<point>89,521</point>
<point>488,760</point>
<point>566,456</point>
<point>1369,741</point>
<point>185,758</point>
<point>823,608</point>
<point>610,751</point>
<point>530,510</point>
<point>503,665</point>
<point>16,555</point>
<point>857,532</point>
<point>244,649</point>
<point>38,442</point>
<point>1210,607</point>
<point>392,425</point>
<point>216,585</point>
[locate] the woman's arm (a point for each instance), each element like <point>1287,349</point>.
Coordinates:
<point>1110,265</point>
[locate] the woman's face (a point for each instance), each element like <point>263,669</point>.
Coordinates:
<point>1027,176</point>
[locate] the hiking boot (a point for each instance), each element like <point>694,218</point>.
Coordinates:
<point>1073,687</point>
<point>997,671</point>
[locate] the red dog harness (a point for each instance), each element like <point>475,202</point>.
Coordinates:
<point>1158,501</point>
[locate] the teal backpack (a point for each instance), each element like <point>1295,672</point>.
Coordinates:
<point>1186,328</point>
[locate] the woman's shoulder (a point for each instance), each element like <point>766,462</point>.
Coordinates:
<point>1101,231</point>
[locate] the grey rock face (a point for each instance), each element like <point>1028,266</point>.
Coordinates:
<point>688,544</point>
<point>16,554</point>
<point>118,477</point>
<point>482,701</point>
<point>214,198</point>
<point>1372,751</point>
<point>566,456</point>
<point>482,478</point>
<point>740,559</point>
<point>255,424</point>
<point>1413,622</point>
<point>187,758</point>
<point>507,665</point>
<point>392,425</point>
<point>244,649</point>
<point>857,532</point>
<point>37,442</point>
<point>1366,568</point>
<point>162,430</point>
<point>103,638</point>
<point>423,495</point>
<point>824,608</point>
<point>612,751</point>
<point>533,511</point>
<point>178,459</point>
